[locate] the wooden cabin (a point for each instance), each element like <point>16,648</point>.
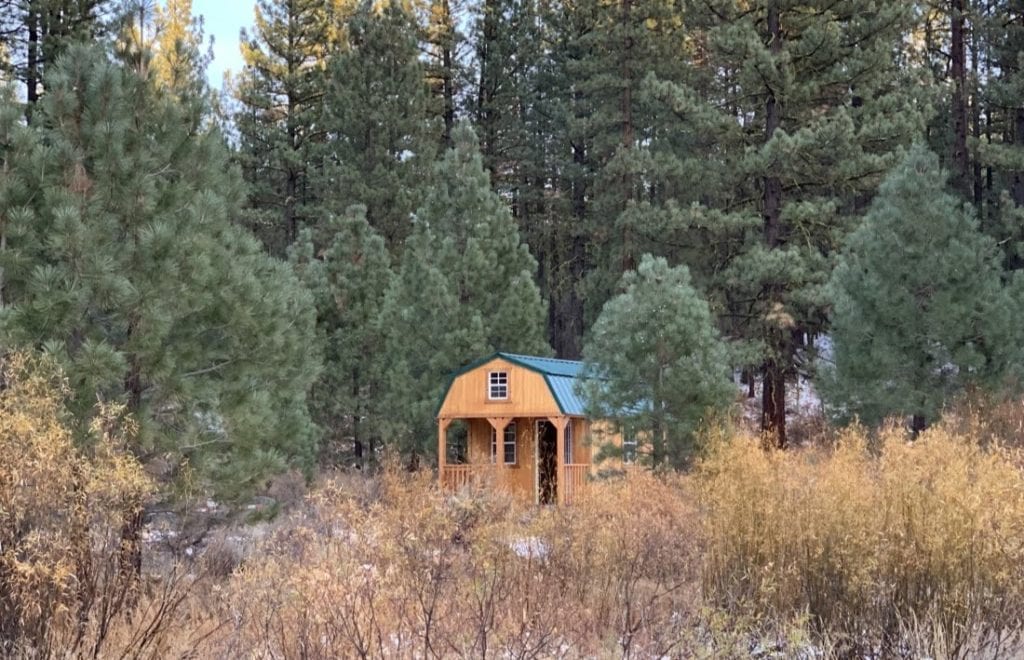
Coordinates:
<point>516,422</point>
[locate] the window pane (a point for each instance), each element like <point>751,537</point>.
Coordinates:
<point>510,443</point>
<point>497,385</point>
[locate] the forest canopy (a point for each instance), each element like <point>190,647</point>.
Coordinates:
<point>287,270</point>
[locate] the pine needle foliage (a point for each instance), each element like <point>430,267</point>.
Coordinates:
<point>654,363</point>
<point>921,310</point>
<point>123,263</point>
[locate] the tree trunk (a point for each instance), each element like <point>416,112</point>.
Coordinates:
<point>32,62</point>
<point>628,135</point>
<point>918,424</point>
<point>1017,189</point>
<point>357,440</point>
<point>958,73</point>
<point>485,114</point>
<point>976,118</point>
<point>773,371</point>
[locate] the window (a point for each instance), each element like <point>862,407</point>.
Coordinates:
<point>508,445</point>
<point>629,448</point>
<point>497,385</point>
<point>568,442</point>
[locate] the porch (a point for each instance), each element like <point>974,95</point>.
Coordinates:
<point>541,460</point>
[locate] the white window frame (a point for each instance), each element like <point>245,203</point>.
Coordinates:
<point>497,381</point>
<point>629,441</point>
<point>568,443</point>
<point>508,443</point>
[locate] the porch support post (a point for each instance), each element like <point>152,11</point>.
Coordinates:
<point>499,424</point>
<point>559,423</point>
<point>442,448</point>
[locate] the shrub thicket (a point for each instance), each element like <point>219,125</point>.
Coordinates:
<point>880,549</point>
<point>908,548</point>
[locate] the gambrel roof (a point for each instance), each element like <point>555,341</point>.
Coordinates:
<point>561,377</point>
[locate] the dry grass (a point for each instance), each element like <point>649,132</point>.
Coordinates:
<point>847,549</point>
<point>908,549</point>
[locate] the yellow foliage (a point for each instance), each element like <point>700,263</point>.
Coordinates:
<point>61,509</point>
<point>922,540</point>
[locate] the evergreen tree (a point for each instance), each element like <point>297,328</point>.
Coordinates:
<point>121,261</point>
<point>381,139</point>
<point>802,105</point>
<point>179,61</point>
<point>427,335</point>
<point>920,307</point>
<point>465,287</point>
<point>479,250</point>
<point>279,121</point>
<point>40,31</point>
<point>654,363</point>
<point>349,282</point>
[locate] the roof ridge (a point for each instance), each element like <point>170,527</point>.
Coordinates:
<point>539,357</point>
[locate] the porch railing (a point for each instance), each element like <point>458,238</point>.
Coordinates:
<point>460,476</point>
<point>575,480</point>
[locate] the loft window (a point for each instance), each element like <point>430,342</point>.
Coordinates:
<point>497,385</point>
<point>508,445</point>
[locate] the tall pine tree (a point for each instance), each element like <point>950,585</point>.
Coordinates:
<point>121,260</point>
<point>349,280</point>
<point>380,135</point>
<point>279,120</point>
<point>806,103</point>
<point>921,310</point>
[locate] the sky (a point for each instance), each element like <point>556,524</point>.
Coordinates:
<point>222,19</point>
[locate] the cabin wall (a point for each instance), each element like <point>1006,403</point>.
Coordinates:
<point>517,478</point>
<point>529,395</point>
<point>600,434</point>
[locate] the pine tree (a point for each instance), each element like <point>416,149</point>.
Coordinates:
<point>381,139</point>
<point>801,106</point>
<point>122,262</point>
<point>1001,152</point>
<point>280,94</point>
<point>40,31</point>
<point>427,335</point>
<point>654,363</point>
<point>179,61</point>
<point>921,310</point>
<point>479,250</point>
<point>349,282</point>
<point>465,287</point>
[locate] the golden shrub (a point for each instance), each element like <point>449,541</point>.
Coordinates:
<point>69,582</point>
<point>921,540</point>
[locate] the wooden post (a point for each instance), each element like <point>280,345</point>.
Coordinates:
<point>559,423</point>
<point>499,424</point>
<point>442,448</point>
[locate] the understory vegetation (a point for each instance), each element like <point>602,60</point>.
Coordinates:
<point>868,546</point>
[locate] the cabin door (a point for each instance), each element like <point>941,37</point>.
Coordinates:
<point>547,463</point>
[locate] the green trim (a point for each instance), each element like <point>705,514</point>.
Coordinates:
<point>484,360</point>
<point>554,396</point>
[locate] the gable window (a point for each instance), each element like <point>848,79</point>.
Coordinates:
<point>497,385</point>
<point>629,448</point>
<point>508,445</point>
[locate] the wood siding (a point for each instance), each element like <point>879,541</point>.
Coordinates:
<point>529,395</point>
<point>530,400</point>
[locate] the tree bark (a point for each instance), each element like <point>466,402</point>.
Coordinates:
<point>31,61</point>
<point>628,134</point>
<point>773,371</point>
<point>918,424</point>
<point>1017,189</point>
<point>958,73</point>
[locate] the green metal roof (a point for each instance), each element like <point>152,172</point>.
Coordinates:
<point>560,375</point>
